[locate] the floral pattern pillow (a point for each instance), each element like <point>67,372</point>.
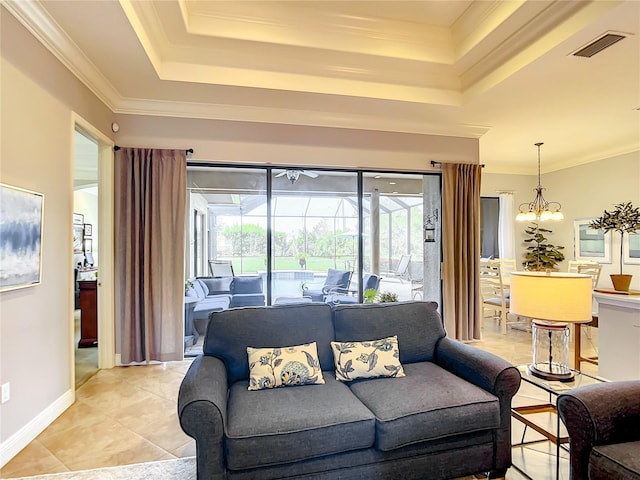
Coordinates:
<point>284,367</point>
<point>376,358</point>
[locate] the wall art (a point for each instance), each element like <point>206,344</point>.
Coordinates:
<point>22,213</point>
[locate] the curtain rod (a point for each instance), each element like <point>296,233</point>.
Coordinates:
<point>117,147</point>
<point>434,163</point>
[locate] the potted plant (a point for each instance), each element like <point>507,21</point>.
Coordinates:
<point>370,295</point>
<point>302,260</point>
<point>388,297</point>
<point>625,218</point>
<point>541,255</point>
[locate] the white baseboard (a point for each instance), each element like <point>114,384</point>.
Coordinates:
<point>16,442</point>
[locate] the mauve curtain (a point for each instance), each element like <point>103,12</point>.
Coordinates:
<point>461,250</point>
<point>150,221</point>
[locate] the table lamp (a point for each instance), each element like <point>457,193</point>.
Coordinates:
<point>551,300</point>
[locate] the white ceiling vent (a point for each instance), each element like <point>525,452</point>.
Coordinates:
<point>599,44</point>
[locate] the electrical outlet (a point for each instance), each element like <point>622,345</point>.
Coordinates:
<point>6,392</point>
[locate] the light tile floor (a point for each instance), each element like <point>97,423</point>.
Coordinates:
<point>128,415</point>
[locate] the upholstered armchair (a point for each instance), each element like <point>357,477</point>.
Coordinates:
<point>335,279</point>
<point>603,422</point>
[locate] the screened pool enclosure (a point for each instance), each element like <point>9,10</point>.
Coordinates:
<point>290,226</point>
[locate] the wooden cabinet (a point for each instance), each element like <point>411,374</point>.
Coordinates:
<point>88,313</point>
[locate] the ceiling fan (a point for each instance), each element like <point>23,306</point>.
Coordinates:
<point>294,173</point>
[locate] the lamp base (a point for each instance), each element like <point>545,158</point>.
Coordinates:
<point>557,372</point>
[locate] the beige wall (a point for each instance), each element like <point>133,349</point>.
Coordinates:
<point>38,95</point>
<point>257,143</point>
<point>584,192</point>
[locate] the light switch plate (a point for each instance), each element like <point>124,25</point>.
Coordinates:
<point>6,392</point>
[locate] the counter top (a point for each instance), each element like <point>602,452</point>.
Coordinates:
<point>620,300</point>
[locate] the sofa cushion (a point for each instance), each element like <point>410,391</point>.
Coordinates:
<point>619,460</point>
<point>282,425</point>
<point>231,331</point>
<point>416,324</point>
<point>338,278</point>
<point>377,358</point>
<point>217,286</point>
<point>284,367</point>
<point>203,285</point>
<point>244,285</point>
<point>247,299</point>
<point>197,286</point>
<point>427,404</point>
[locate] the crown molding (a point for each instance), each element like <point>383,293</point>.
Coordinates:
<point>284,116</point>
<point>45,29</point>
<point>544,31</point>
<point>307,27</point>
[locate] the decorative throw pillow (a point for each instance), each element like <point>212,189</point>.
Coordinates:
<point>376,358</point>
<point>284,367</point>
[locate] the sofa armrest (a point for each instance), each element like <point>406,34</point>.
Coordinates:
<point>491,373</point>
<point>202,409</point>
<point>599,414</point>
<point>479,367</point>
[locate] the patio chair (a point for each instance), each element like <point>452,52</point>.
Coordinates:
<point>341,296</point>
<point>402,270</point>
<point>220,268</point>
<point>334,279</point>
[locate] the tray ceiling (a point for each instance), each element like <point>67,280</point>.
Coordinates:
<point>500,71</point>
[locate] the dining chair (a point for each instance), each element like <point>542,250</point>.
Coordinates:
<point>593,269</point>
<point>494,288</point>
<point>493,292</point>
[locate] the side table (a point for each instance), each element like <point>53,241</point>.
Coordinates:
<point>553,389</point>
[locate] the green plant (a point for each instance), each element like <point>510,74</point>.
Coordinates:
<point>370,295</point>
<point>623,219</point>
<point>541,255</point>
<point>187,285</point>
<point>388,297</point>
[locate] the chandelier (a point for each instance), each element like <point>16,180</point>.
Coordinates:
<point>539,209</point>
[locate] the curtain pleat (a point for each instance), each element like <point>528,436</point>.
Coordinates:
<point>149,264</point>
<point>461,250</point>
<point>506,226</point>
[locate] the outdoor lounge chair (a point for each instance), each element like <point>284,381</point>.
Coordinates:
<point>335,279</point>
<point>343,296</point>
<point>402,270</point>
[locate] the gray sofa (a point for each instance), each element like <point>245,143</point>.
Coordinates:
<point>603,422</point>
<point>448,417</point>
<point>216,294</point>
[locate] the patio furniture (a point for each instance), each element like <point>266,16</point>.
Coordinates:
<point>220,268</point>
<point>402,270</point>
<point>343,296</point>
<point>291,300</point>
<point>334,279</point>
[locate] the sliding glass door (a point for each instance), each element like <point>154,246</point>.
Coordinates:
<point>314,226</point>
<point>301,229</point>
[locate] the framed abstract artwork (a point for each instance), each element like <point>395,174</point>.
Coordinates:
<point>591,244</point>
<point>22,213</point>
<point>631,249</point>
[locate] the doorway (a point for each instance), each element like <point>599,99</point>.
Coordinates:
<point>86,228</point>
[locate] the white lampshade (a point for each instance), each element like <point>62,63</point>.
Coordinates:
<point>554,297</point>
